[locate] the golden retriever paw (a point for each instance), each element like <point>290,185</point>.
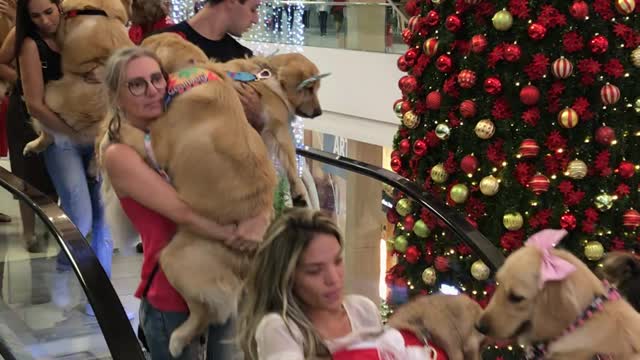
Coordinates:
<point>32,147</point>
<point>176,345</point>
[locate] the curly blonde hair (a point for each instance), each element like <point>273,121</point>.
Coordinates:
<point>146,12</point>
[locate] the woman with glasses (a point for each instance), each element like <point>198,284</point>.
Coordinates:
<point>137,86</point>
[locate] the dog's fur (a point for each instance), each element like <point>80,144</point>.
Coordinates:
<point>519,309</point>
<point>220,167</point>
<point>622,269</point>
<point>86,42</point>
<point>447,320</point>
<point>146,12</point>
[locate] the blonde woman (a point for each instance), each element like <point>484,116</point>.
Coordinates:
<point>295,308</point>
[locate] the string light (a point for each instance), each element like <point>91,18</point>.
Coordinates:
<point>181,10</point>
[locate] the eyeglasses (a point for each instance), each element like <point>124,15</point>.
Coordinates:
<point>139,86</point>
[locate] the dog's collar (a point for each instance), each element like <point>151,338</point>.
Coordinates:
<point>152,158</point>
<point>538,351</point>
<point>249,77</point>
<point>73,13</point>
<point>186,79</point>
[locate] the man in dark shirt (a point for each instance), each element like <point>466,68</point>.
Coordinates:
<point>211,29</point>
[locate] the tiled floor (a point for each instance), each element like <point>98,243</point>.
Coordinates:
<point>30,322</point>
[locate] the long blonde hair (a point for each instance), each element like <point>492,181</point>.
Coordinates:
<point>269,285</point>
<point>115,75</point>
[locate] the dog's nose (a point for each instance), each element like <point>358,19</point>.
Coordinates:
<point>482,328</point>
<point>316,113</point>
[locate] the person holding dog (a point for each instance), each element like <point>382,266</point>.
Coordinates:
<point>294,307</point>
<point>67,163</point>
<point>136,86</point>
<point>211,29</point>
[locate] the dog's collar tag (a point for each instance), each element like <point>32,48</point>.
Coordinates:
<point>249,77</point>
<point>186,79</point>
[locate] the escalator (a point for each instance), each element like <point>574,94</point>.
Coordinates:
<point>34,326</point>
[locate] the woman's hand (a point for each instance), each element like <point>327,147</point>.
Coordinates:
<point>5,10</point>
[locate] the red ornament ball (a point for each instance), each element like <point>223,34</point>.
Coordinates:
<point>408,84</point>
<point>444,63</point>
<point>529,95</point>
<point>626,170</point>
<point>579,10</point>
<point>432,18</point>
<point>407,36</point>
<point>441,264</point>
<point>409,222</point>
<point>529,148</point>
<point>402,64</point>
<point>493,85</point>
<point>631,219</point>
<point>404,146</point>
<point>411,56</point>
<point>562,68</point>
<point>512,52</point>
<point>433,100</point>
<point>625,7</point>
<point>605,135</point>
<point>599,44</point>
<point>405,106</point>
<point>468,109</point>
<point>412,254</point>
<point>539,184</point>
<point>411,25</point>
<point>453,23</point>
<point>393,217</point>
<point>568,221</point>
<point>467,79</point>
<point>469,164</point>
<point>609,94</point>
<point>478,43</point>
<point>430,46</point>
<point>396,164</point>
<point>420,147</point>
<point>537,31</point>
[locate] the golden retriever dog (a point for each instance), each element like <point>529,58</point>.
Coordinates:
<point>89,32</point>
<point>548,298</point>
<point>219,166</point>
<point>622,270</point>
<point>446,320</point>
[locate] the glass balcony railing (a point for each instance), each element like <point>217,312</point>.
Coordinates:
<point>366,26</point>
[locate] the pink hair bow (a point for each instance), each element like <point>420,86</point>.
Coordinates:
<point>553,267</point>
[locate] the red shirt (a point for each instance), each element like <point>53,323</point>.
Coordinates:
<point>155,231</point>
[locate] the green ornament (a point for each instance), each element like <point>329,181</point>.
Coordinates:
<point>459,193</point>
<point>398,109</point>
<point>443,131</point>
<point>403,207</point>
<point>421,229</point>
<point>502,20</point>
<point>636,105</point>
<point>603,202</point>
<point>401,243</point>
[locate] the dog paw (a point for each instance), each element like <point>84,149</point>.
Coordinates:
<point>299,201</point>
<point>176,345</point>
<point>30,149</point>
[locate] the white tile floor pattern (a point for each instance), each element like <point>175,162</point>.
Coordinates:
<point>29,321</point>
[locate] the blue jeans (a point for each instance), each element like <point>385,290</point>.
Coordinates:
<point>158,326</point>
<point>79,195</point>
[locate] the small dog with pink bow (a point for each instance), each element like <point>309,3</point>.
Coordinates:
<point>553,303</point>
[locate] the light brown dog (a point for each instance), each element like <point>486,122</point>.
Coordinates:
<point>537,304</point>
<point>86,42</point>
<point>220,167</point>
<point>446,320</point>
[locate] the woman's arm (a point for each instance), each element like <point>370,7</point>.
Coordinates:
<point>8,73</point>
<point>131,177</point>
<point>33,88</point>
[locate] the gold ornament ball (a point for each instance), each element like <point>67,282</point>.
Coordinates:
<point>513,221</point>
<point>436,2</point>
<point>403,207</point>
<point>635,57</point>
<point>443,131</point>
<point>429,276</point>
<point>502,20</point>
<point>636,105</point>
<point>594,250</point>
<point>439,174</point>
<point>489,185</point>
<point>576,169</point>
<point>459,193</point>
<point>485,129</point>
<point>480,271</point>
<point>410,119</point>
<point>421,229</point>
<point>603,202</point>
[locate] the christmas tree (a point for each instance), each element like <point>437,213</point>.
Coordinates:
<point>522,115</point>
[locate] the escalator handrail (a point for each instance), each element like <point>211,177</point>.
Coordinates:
<point>486,250</point>
<point>111,316</point>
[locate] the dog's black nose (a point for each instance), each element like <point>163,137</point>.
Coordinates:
<point>482,328</point>
<point>316,113</point>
